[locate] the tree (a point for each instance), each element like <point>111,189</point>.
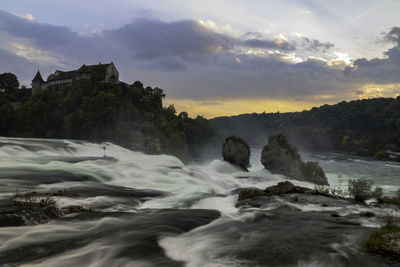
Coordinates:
<point>8,82</point>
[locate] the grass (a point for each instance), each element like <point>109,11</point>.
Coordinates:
<point>385,241</point>
<point>33,197</point>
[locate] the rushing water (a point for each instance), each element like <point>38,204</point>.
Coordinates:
<point>150,210</point>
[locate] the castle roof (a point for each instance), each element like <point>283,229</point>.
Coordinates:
<point>62,75</point>
<point>38,78</point>
<point>65,75</point>
<point>90,68</point>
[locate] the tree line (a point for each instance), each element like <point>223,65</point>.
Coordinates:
<point>127,114</point>
<point>362,127</point>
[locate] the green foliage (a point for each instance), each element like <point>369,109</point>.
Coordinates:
<point>237,139</point>
<point>338,191</point>
<point>129,115</point>
<point>361,189</point>
<point>283,142</point>
<point>384,241</point>
<point>312,170</point>
<point>323,190</point>
<point>381,154</point>
<point>362,127</point>
<point>8,82</point>
<point>33,197</point>
<point>46,202</point>
<point>377,193</point>
<point>249,193</point>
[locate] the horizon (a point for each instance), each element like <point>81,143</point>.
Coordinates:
<point>216,58</point>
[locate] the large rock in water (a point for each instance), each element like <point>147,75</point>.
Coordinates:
<point>282,158</point>
<point>236,151</point>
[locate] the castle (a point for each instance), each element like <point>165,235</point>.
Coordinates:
<point>67,77</point>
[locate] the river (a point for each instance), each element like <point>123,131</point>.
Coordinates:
<point>148,210</point>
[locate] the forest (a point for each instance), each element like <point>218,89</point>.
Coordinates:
<point>365,127</point>
<point>127,114</point>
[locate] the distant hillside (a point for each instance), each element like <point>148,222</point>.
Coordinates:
<point>363,127</point>
<point>129,115</point>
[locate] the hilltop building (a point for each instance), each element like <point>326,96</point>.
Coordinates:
<point>67,77</point>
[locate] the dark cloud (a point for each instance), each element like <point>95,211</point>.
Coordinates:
<point>149,39</point>
<point>393,35</point>
<point>315,45</point>
<point>191,60</point>
<point>380,70</point>
<point>270,44</point>
<point>42,34</point>
<point>256,40</point>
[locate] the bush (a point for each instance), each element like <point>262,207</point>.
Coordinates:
<point>384,241</point>
<point>381,154</point>
<point>378,193</point>
<point>361,189</point>
<point>312,170</point>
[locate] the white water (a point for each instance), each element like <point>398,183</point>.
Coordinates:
<point>193,186</point>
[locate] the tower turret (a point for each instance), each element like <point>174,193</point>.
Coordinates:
<point>37,82</point>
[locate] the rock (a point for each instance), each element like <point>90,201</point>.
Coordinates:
<point>282,158</point>
<point>249,193</point>
<point>287,188</point>
<point>367,214</point>
<point>236,151</point>
<point>14,213</point>
<point>73,209</point>
<point>280,189</point>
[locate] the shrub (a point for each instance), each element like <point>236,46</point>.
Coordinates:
<point>384,241</point>
<point>381,154</point>
<point>378,192</point>
<point>46,202</point>
<point>312,170</point>
<point>360,189</point>
<point>338,190</point>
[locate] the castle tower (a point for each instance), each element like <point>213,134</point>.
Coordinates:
<point>37,82</point>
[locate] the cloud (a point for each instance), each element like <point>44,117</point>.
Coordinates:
<point>380,70</point>
<point>315,45</point>
<point>193,61</point>
<point>151,39</point>
<point>393,35</point>
<point>27,16</point>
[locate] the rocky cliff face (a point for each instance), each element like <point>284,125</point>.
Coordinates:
<point>282,158</point>
<point>236,151</point>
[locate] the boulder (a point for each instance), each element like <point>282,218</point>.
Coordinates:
<point>280,189</point>
<point>287,188</point>
<point>282,158</point>
<point>236,151</point>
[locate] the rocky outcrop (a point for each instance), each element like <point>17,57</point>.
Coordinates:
<point>282,158</point>
<point>14,213</point>
<point>287,188</point>
<point>236,151</point>
<point>280,189</point>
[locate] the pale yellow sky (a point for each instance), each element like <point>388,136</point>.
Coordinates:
<point>211,109</point>
<point>227,107</point>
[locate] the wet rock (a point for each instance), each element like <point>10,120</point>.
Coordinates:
<point>385,242</point>
<point>280,189</point>
<point>249,193</point>
<point>390,200</point>
<point>74,209</point>
<point>367,214</point>
<point>282,158</point>
<point>14,213</point>
<point>287,188</point>
<point>236,151</point>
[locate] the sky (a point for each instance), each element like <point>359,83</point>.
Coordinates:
<point>215,57</point>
